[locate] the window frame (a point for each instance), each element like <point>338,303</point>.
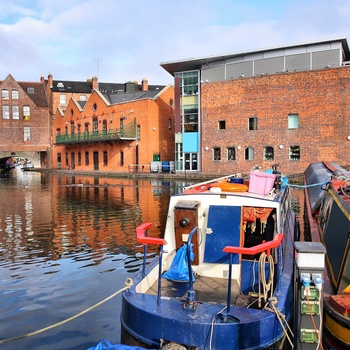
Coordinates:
<point>5,110</point>
<point>216,153</point>
<point>293,121</point>
<point>26,134</point>
<point>253,123</point>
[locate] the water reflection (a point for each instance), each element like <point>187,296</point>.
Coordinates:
<point>66,243</point>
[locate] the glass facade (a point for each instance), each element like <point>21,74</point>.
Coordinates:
<point>187,141</point>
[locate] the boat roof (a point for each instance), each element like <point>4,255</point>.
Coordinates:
<point>318,173</point>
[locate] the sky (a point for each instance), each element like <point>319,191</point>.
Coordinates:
<point>120,41</point>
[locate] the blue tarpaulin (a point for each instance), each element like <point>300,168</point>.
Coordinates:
<point>106,345</point>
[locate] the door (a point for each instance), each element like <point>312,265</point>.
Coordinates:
<point>96,160</point>
<point>224,229</point>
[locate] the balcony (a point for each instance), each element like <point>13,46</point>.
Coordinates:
<point>128,132</point>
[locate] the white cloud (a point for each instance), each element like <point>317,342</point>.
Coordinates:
<point>121,41</point>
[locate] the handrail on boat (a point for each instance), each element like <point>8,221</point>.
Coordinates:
<point>191,294</point>
<point>142,237</point>
<point>266,246</point>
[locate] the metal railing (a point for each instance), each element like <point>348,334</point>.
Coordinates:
<point>128,132</point>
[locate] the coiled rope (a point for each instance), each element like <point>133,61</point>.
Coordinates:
<point>266,286</point>
<point>128,284</point>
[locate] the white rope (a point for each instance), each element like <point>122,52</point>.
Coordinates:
<point>128,284</point>
<point>266,285</point>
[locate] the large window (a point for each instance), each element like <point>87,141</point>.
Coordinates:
<point>293,121</point>
<point>95,125</point>
<point>190,83</point>
<point>63,99</point>
<point>26,112</point>
<point>14,94</point>
<point>5,94</point>
<point>191,118</point>
<point>86,158</point>
<point>5,112</point>
<point>26,133</point>
<point>15,112</point>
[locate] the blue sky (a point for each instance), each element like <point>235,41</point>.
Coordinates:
<point>127,40</point>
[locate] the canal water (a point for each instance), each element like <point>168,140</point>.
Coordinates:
<point>67,242</point>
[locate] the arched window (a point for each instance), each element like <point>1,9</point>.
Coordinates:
<point>249,153</point>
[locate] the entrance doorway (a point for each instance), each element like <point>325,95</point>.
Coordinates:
<point>191,161</point>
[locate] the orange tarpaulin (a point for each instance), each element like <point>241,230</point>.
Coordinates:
<point>251,214</point>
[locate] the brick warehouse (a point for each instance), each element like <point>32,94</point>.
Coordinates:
<point>25,121</point>
<point>120,131</point>
<point>287,105</point>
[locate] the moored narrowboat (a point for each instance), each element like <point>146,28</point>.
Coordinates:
<point>223,278</point>
<point>327,220</point>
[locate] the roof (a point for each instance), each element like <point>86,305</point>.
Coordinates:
<point>196,63</point>
<point>85,87</point>
<point>131,96</point>
<point>37,94</point>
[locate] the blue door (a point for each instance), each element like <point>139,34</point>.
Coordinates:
<point>224,223</point>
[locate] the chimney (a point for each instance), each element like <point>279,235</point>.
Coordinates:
<point>50,80</point>
<point>94,83</point>
<point>144,84</point>
<point>42,79</point>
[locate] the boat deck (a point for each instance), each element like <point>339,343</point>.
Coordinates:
<point>208,290</point>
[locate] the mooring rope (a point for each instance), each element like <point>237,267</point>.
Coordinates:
<point>271,306</point>
<point>128,284</point>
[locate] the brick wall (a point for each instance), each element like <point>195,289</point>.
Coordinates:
<point>320,98</point>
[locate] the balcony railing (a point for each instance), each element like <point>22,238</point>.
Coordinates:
<point>128,132</point>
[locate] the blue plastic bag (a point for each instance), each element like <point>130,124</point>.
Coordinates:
<point>179,268</point>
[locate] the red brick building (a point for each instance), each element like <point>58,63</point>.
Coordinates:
<point>25,121</point>
<point>122,130</point>
<point>287,105</point>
